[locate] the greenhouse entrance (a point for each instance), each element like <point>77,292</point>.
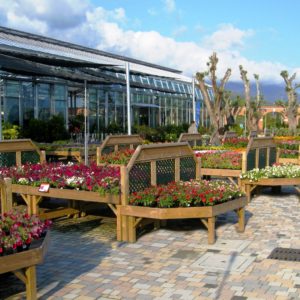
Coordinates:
<point>146,114</point>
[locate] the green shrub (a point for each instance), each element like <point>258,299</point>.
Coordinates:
<point>46,131</point>
<point>10,131</point>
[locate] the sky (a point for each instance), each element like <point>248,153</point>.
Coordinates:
<point>261,35</point>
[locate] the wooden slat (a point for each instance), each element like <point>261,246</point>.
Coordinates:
<point>182,212</point>
<point>66,194</point>
<point>221,172</point>
<point>186,137</point>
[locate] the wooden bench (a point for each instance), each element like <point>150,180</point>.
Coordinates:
<point>156,164</point>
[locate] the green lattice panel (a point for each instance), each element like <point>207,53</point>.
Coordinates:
<point>108,149</point>
<point>262,160</point>
<point>7,159</point>
<point>139,177</point>
<point>272,156</point>
<point>165,171</point>
<point>251,160</point>
<point>187,168</point>
<point>30,157</point>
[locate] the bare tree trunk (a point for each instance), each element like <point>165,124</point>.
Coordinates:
<point>292,105</point>
<point>248,111</point>
<point>214,107</point>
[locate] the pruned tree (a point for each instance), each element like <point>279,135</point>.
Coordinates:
<point>253,112</point>
<point>291,106</point>
<point>232,107</point>
<point>216,105</point>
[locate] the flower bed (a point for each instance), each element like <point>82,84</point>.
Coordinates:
<point>18,230</point>
<point>120,157</point>
<point>289,147</point>
<point>275,171</point>
<point>66,176</point>
<point>235,143</point>
<point>186,194</point>
<point>221,159</point>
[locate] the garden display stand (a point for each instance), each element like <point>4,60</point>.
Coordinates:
<point>250,186</point>
<point>32,197</point>
<point>229,135</point>
<point>160,164</point>
<point>23,264</point>
<point>260,152</point>
<point>282,160</point>
<point>114,143</point>
<point>194,139</point>
<point>75,152</point>
<point>17,152</point>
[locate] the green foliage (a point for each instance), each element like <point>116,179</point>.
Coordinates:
<point>10,131</point>
<point>46,131</point>
<point>76,124</point>
<point>237,128</point>
<point>169,133</point>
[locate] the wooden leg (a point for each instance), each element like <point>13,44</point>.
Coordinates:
<point>241,216</point>
<point>131,229</point>
<point>124,228</point>
<point>211,230</point>
<point>30,274</point>
<point>156,224</point>
<point>119,223</point>
<point>248,192</point>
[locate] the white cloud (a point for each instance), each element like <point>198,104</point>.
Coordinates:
<point>169,5</point>
<point>103,29</point>
<point>226,37</point>
<point>179,31</point>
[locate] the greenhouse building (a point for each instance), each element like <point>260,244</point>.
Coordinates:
<point>41,77</point>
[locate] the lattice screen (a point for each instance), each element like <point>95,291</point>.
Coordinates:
<point>251,160</point>
<point>139,177</point>
<point>165,171</point>
<point>30,157</point>
<point>262,158</point>
<point>7,159</point>
<point>187,168</point>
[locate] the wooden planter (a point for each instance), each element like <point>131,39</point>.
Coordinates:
<point>251,185</point>
<point>229,173</point>
<point>133,215</point>
<point>23,265</point>
<point>32,197</point>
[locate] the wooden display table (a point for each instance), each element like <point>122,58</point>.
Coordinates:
<point>23,265</point>
<point>207,215</point>
<point>272,182</point>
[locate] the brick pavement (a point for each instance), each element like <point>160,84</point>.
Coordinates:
<point>85,262</point>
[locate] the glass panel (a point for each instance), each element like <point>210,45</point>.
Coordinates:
<point>28,101</point>
<point>60,100</point>
<point>11,108</point>
<point>43,101</point>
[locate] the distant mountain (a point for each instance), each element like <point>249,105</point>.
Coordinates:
<point>270,91</point>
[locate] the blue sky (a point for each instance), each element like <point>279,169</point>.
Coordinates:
<point>262,35</point>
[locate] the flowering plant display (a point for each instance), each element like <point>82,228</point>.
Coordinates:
<point>66,176</point>
<point>221,159</point>
<point>275,171</point>
<point>121,157</point>
<point>234,143</point>
<point>289,148</point>
<point>186,194</point>
<point>18,230</point>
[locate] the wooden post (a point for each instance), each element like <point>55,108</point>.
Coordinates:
<point>43,156</point>
<point>131,229</point>
<point>198,168</point>
<point>98,155</point>
<point>256,157</point>
<point>177,169</point>
<point>244,161</point>
<point>8,202</point>
<point>124,201</point>
<point>211,230</point>
<point>30,274</point>
<point>18,158</point>
<point>268,157</point>
<point>241,216</point>
<point>153,172</point>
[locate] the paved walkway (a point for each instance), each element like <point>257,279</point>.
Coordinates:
<point>86,262</point>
